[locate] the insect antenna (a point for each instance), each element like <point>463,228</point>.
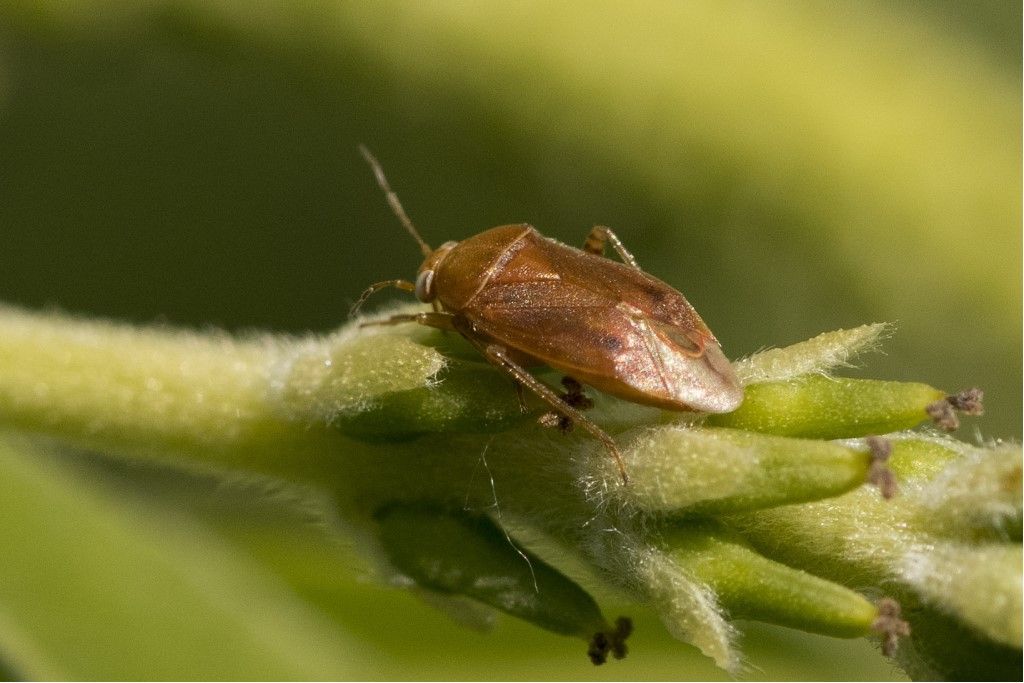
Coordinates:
<point>396,206</point>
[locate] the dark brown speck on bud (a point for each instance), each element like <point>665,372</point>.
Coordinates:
<point>890,626</point>
<point>879,474</point>
<point>613,640</point>
<point>944,412</point>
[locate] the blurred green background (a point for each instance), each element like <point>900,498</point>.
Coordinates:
<point>791,167</point>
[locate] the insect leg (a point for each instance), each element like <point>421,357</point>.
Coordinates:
<point>442,321</point>
<point>575,397</point>
<point>404,285</point>
<point>499,356</point>
<point>599,235</point>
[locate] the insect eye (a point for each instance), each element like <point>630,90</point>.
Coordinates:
<point>425,286</point>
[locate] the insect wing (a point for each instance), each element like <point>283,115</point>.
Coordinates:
<point>609,325</point>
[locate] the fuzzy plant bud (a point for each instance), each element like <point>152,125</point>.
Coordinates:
<point>454,552</point>
<point>687,471</point>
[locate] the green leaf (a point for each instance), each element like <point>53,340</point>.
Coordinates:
<point>91,588</point>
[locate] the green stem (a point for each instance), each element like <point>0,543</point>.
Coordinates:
<point>385,421</point>
<point>159,392</point>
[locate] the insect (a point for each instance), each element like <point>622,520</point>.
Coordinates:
<point>526,300</point>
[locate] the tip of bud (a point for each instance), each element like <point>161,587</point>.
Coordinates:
<point>613,640</point>
<point>968,402</point>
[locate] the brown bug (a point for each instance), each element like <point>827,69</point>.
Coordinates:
<point>525,300</point>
